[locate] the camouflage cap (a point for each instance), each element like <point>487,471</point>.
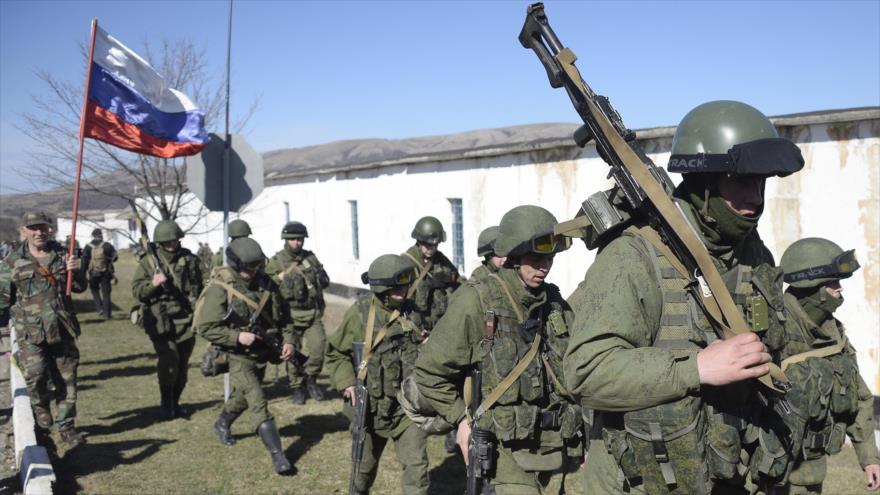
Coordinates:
<point>35,218</point>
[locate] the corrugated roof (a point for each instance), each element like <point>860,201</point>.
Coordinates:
<point>362,154</point>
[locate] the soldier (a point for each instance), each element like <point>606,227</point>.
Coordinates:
<point>674,410</point>
<point>167,293</point>
<point>437,277</point>
<point>32,292</point>
<point>512,326</point>
<point>486,248</point>
<point>225,312</point>
<point>391,345</point>
<point>205,256</point>
<point>302,279</point>
<point>236,228</point>
<point>828,393</point>
<point>98,258</point>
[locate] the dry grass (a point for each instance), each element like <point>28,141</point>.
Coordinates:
<point>129,452</point>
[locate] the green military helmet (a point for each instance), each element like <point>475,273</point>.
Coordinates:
<point>486,241</point>
<point>430,230</point>
<point>387,272</point>
<point>294,230</point>
<point>245,254</point>
<point>167,230</point>
<point>813,261</point>
<point>238,228</point>
<point>734,138</point>
<point>528,229</point>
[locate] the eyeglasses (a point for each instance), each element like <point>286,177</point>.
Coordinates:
<point>842,266</point>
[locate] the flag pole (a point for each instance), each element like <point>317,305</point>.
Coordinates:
<point>82,125</point>
<point>227,386</point>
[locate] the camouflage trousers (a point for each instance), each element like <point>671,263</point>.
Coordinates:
<point>246,377</point>
<point>311,341</point>
<point>511,479</point>
<point>58,362</point>
<point>173,361</point>
<point>806,477</point>
<point>411,453</point>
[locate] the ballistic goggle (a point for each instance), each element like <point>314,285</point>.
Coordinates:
<point>254,266</point>
<point>548,243</point>
<point>768,157</point>
<point>403,277</point>
<point>842,266</point>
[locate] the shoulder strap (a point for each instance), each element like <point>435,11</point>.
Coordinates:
<point>422,274</point>
<point>818,353</point>
<point>510,298</point>
<point>369,343</point>
<point>510,379</point>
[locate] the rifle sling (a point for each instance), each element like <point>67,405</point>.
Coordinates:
<point>369,343</point>
<point>672,216</point>
<point>821,352</point>
<point>510,379</point>
<point>422,274</point>
<point>232,291</point>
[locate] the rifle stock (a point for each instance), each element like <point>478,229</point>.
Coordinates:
<point>481,450</point>
<point>358,430</point>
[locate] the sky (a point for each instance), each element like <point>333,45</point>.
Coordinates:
<point>332,70</point>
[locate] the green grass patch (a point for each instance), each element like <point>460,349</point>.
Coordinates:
<point>130,451</point>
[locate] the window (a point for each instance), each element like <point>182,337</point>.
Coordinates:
<point>457,234</point>
<point>355,247</point>
<point>286,212</point>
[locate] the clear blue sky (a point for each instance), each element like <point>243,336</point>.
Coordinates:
<point>326,71</point>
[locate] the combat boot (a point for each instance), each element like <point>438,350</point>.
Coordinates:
<point>166,404</point>
<point>222,427</point>
<point>70,437</point>
<point>43,417</point>
<point>179,411</point>
<point>269,435</point>
<point>298,396</point>
<point>315,390</point>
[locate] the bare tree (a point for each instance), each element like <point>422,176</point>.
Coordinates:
<point>110,171</point>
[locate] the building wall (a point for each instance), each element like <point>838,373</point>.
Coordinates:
<point>114,226</point>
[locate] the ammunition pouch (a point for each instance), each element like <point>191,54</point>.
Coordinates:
<point>215,361</point>
<point>771,460</point>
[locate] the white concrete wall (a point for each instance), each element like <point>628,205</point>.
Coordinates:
<point>836,196</point>
<point>114,225</point>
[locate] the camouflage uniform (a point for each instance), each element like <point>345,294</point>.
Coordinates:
<point>431,296</point>
<point>100,275</point>
<point>32,294</point>
<point>390,363</point>
<point>204,254</point>
<point>303,288</point>
<point>485,269</point>
<point>221,315</point>
<point>167,317</point>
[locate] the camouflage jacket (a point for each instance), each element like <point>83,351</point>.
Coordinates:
<point>167,309</point>
<point>303,284</point>
<point>485,269</point>
<point>33,295</point>
<point>431,297</point>
<point>222,314</point>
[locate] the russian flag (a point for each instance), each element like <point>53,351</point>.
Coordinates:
<point>130,106</point>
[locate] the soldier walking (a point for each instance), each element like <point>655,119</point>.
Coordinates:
<point>167,293</point>
<point>675,411</point>
<point>436,276</point>
<point>391,343</point>
<point>302,279</point>
<point>98,258</point>
<point>513,327</point>
<point>239,304</point>
<point>32,295</point>
<point>828,395</point>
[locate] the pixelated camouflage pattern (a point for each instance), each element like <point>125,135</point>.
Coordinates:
<point>168,313</point>
<point>432,295</point>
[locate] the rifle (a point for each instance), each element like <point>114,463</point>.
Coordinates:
<point>149,247</point>
<point>641,188</point>
<point>481,449</point>
<point>270,339</point>
<point>358,430</point>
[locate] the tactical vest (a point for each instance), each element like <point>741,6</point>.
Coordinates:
<point>534,417</point>
<point>431,296</point>
<point>99,263</point>
<point>687,445</point>
<point>825,379</point>
<point>168,311</point>
<point>304,284</point>
<point>42,312</point>
<point>391,360</point>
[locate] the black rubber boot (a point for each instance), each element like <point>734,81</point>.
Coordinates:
<point>315,390</point>
<point>166,404</point>
<point>179,411</point>
<point>222,427</point>
<point>298,396</point>
<point>269,435</point>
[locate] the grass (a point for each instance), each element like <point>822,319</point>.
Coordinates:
<point>130,452</point>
